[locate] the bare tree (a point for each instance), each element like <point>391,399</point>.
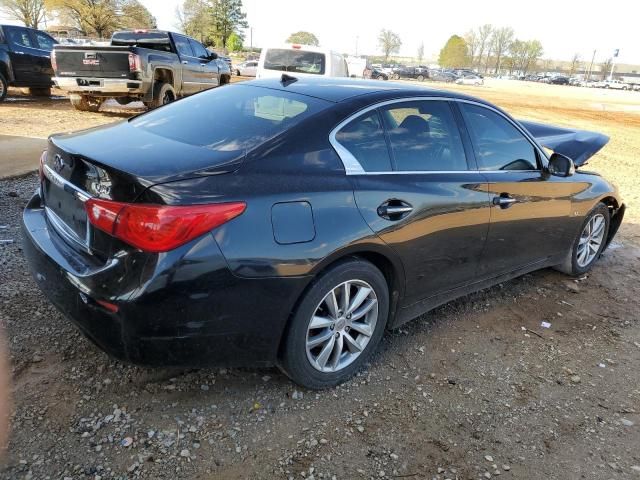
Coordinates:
<point>575,64</point>
<point>389,43</point>
<point>471,37</point>
<point>605,67</point>
<point>483,38</point>
<point>502,38</point>
<point>29,12</point>
<point>420,52</point>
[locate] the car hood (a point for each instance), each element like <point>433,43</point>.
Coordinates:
<point>579,145</point>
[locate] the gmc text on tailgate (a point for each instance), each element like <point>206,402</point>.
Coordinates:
<point>153,66</point>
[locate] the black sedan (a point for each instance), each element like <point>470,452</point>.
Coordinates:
<point>292,221</point>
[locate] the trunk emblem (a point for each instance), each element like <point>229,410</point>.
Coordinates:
<point>58,163</point>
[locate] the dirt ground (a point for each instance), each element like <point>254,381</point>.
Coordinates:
<point>476,389</point>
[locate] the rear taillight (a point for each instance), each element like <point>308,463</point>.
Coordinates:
<point>135,64</point>
<point>159,228</point>
<point>54,63</point>
<point>43,158</point>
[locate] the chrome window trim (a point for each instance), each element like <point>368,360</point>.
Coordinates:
<point>353,167</point>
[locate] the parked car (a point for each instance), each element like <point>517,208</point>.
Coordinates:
<point>304,222</point>
<point>615,84</point>
<point>301,60</point>
<point>470,80</point>
<point>153,66</point>
<point>440,76</point>
<point>25,60</point>
<point>375,73</point>
<point>415,73</point>
<point>559,80</point>
<point>246,69</point>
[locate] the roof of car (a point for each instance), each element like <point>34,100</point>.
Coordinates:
<point>337,89</point>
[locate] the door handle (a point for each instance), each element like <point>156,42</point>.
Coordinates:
<point>184,62</point>
<point>504,200</point>
<point>18,52</point>
<point>394,209</point>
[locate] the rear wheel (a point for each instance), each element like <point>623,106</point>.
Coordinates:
<point>40,92</point>
<point>163,93</point>
<point>337,325</point>
<point>420,78</point>
<point>3,87</point>
<point>589,244</point>
<point>85,103</point>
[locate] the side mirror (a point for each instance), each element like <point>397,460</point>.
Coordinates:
<point>561,165</point>
<point>213,56</point>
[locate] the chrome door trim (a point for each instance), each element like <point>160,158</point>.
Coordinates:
<point>353,167</point>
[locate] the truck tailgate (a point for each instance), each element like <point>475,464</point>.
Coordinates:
<point>103,62</point>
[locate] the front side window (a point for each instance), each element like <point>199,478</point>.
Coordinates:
<point>364,139</point>
<point>297,61</point>
<point>498,144</point>
<point>424,136</point>
<point>198,49</point>
<point>19,37</point>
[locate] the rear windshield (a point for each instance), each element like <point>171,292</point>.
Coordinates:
<point>299,61</point>
<point>229,121</point>
<point>152,40</point>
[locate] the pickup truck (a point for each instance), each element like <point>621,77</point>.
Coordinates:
<point>153,66</point>
<point>25,60</point>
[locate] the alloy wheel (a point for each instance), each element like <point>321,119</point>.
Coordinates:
<point>168,98</point>
<point>342,326</point>
<point>591,240</point>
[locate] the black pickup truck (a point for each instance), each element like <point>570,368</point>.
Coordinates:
<point>153,66</point>
<point>25,60</point>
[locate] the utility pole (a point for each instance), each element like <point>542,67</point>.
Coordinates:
<point>357,38</point>
<point>613,62</point>
<point>251,38</point>
<point>591,66</point>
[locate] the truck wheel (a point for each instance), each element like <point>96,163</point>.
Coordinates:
<point>163,93</point>
<point>225,80</point>
<point>124,100</point>
<point>3,87</point>
<point>86,104</point>
<point>420,78</point>
<point>40,92</point>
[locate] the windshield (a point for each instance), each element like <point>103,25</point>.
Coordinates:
<point>299,61</point>
<point>229,121</point>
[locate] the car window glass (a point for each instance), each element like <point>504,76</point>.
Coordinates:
<point>364,139</point>
<point>498,144</point>
<point>45,42</point>
<point>182,45</point>
<point>294,60</point>
<point>198,49</point>
<point>424,136</point>
<point>19,37</point>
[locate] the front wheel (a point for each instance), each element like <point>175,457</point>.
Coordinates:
<point>337,325</point>
<point>589,244</point>
<point>420,78</point>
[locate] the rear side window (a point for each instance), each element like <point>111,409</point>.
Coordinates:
<point>152,40</point>
<point>182,45</point>
<point>45,42</point>
<point>19,37</point>
<point>497,143</point>
<point>364,139</point>
<point>229,121</point>
<point>297,61</point>
<point>424,136</point>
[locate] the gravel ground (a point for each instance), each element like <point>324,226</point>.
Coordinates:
<point>476,389</point>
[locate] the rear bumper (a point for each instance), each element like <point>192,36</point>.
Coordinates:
<point>100,86</point>
<point>182,308</point>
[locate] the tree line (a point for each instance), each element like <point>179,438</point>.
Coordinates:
<point>99,18</point>
<point>218,23</point>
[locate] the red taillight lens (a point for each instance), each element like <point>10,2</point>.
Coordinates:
<point>135,64</point>
<point>158,228</point>
<point>54,63</point>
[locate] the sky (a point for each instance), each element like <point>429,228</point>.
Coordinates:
<point>564,27</point>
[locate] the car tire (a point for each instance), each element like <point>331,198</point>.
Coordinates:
<point>396,76</point>
<point>575,266</point>
<point>85,103</point>
<point>163,93</point>
<point>297,353</point>
<point>40,92</point>
<point>4,87</point>
<point>420,78</point>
